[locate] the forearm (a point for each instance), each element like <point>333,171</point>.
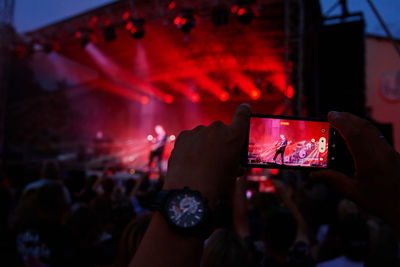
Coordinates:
<point>163,247</point>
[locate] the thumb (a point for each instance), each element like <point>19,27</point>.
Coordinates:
<point>338,180</point>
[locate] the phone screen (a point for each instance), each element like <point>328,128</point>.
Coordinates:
<point>282,142</point>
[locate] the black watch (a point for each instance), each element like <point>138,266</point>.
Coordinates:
<point>185,210</point>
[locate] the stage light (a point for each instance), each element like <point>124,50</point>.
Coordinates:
<point>135,28</point>
<point>224,96</point>
<point>172,138</point>
<point>109,33</point>
<point>195,97</point>
<point>168,99</point>
<point>244,14</point>
<point>132,171</point>
<point>150,137</point>
<point>144,100</point>
<point>185,21</point>
<point>255,94</point>
<point>290,91</point>
<point>83,36</point>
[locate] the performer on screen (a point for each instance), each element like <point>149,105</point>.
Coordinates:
<point>280,148</point>
<point>158,146</point>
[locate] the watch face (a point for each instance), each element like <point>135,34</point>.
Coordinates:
<point>185,209</point>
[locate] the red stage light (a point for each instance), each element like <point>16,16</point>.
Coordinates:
<point>93,20</point>
<point>129,25</point>
<point>234,9</point>
<point>144,100</point>
<point>184,21</point>
<point>168,99</point>
<point>126,15</point>
<point>255,94</point>
<point>241,11</point>
<point>224,96</point>
<point>290,91</point>
<point>274,171</point>
<point>177,20</point>
<point>195,97</point>
<point>171,6</point>
<point>78,35</point>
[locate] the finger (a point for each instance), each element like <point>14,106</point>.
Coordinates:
<point>217,124</point>
<point>240,122</point>
<point>338,180</point>
<point>198,128</point>
<point>362,138</point>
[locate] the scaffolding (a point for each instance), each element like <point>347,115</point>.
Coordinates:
<point>294,55</point>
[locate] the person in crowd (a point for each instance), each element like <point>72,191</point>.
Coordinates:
<point>207,159</point>
<point>224,248</point>
<point>42,240</point>
<point>50,173</point>
<point>353,237</point>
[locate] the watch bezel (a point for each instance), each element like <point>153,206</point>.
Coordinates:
<point>204,224</point>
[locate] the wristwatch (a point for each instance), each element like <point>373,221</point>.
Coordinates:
<point>186,211</point>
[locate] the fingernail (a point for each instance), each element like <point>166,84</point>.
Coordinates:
<point>333,115</point>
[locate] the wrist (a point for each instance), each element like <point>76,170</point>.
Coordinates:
<point>194,183</point>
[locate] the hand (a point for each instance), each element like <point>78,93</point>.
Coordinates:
<point>208,158</point>
<point>376,182</point>
<point>239,203</point>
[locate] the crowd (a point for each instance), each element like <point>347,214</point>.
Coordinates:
<point>54,218</point>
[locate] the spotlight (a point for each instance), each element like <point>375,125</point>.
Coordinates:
<point>135,28</point>
<point>224,96</point>
<point>244,14</point>
<point>109,33</point>
<point>83,36</point>
<point>168,99</point>
<point>195,97</point>
<point>185,21</point>
<point>255,94</point>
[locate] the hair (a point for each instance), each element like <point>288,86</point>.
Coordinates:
<point>51,201</point>
<point>50,170</point>
<point>27,210</point>
<point>224,248</point>
<point>131,238</point>
<point>280,230</point>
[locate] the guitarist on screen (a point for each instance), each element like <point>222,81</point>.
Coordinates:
<point>280,148</point>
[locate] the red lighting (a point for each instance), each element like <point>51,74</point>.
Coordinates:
<point>168,99</point>
<point>290,91</point>
<point>129,25</point>
<point>183,21</point>
<point>177,20</point>
<point>144,100</point>
<point>171,6</point>
<point>126,15</point>
<point>274,171</point>
<point>241,11</point>
<point>255,94</point>
<point>234,9</point>
<point>93,20</point>
<point>78,35</point>
<point>195,97</point>
<point>224,96</point>
<point>133,30</point>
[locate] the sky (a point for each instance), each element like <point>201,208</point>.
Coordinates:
<point>33,14</point>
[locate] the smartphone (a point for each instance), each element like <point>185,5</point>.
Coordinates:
<point>294,143</point>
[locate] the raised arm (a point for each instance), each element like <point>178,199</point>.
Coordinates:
<point>204,159</point>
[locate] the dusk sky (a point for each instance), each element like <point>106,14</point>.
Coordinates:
<point>32,14</point>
